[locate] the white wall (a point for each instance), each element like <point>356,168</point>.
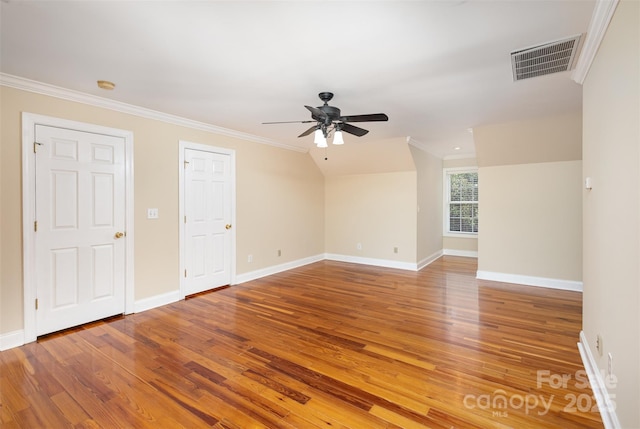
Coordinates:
<point>376,210</point>
<point>531,141</point>
<point>611,106</point>
<point>429,199</point>
<point>529,174</point>
<point>531,220</point>
<point>355,157</point>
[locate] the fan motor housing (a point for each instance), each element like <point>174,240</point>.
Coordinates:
<point>332,113</point>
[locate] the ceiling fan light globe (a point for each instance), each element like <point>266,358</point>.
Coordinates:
<point>337,138</point>
<point>319,139</point>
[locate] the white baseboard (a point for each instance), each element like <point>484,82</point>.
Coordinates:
<point>17,339</point>
<point>530,280</point>
<point>263,272</point>
<point>156,301</point>
<point>11,340</point>
<point>465,253</point>
<point>411,266</point>
<point>603,398</point>
<point>429,259</point>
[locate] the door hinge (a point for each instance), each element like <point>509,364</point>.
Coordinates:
<point>36,303</point>
<point>35,146</point>
<point>186,163</point>
<point>35,226</point>
<point>185,219</point>
<point>185,273</point>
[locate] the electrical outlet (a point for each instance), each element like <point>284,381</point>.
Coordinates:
<point>250,258</point>
<point>395,250</point>
<point>599,344</point>
<point>359,246</point>
<point>152,214</point>
<point>279,252</point>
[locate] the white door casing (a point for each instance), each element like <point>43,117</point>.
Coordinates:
<point>79,190</point>
<point>207,215</point>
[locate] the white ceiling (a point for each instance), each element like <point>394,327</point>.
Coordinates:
<point>435,68</point>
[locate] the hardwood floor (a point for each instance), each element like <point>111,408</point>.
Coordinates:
<point>326,345</point>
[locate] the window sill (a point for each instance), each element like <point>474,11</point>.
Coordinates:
<point>460,234</point>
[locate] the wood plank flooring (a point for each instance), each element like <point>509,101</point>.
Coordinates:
<point>327,345</point>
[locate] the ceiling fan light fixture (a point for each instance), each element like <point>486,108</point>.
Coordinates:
<point>319,139</point>
<point>329,122</point>
<point>337,137</point>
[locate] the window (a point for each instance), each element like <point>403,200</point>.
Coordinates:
<point>461,202</point>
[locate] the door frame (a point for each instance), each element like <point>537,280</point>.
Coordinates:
<point>29,122</point>
<point>182,146</point>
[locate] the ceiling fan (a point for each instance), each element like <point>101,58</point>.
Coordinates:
<point>328,119</point>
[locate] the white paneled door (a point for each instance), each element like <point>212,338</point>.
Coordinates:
<point>207,221</point>
<point>79,229</point>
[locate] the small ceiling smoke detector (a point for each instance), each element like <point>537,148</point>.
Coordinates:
<point>552,57</point>
<point>105,84</point>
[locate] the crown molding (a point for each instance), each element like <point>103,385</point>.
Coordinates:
<point>602,14</point>
<point>105,103</point>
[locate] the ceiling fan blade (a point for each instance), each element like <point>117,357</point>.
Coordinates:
<point>317,113</point>
<point>365,118</point>
<point>352,129</point>
<point>309,131</point>
<point>288,122</point>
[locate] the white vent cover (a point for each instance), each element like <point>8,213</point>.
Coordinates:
<point>544,59</point>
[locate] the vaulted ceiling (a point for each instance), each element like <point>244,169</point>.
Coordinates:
<point>436,68</point>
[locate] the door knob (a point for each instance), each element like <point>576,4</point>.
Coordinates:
<point>228,226</point>
<point>118,235</point>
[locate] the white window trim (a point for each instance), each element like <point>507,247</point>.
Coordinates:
<point>445,203</point>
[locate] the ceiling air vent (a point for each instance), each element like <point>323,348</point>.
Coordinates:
<point>549,58</point>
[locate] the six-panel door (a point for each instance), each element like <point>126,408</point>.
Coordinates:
<point>80,212</point>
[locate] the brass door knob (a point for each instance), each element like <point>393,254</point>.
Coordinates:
<point>118,235</point>
<point>228,226</point>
